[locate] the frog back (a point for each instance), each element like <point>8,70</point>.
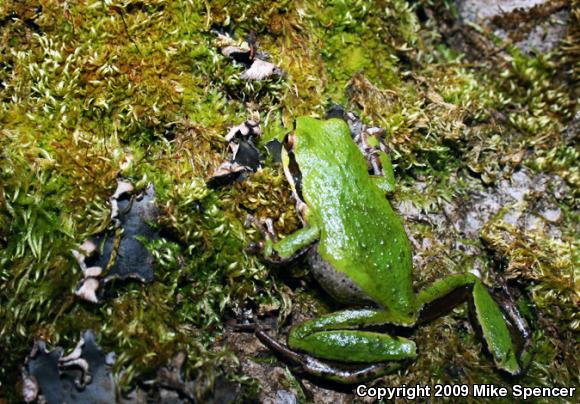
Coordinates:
<point>361,236</point>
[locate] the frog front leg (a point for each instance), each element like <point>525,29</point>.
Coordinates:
<point>338,337</point>
<point>281,251</point>
<point>488,314</point>
<point>384,176</point>
<point>290,246</point>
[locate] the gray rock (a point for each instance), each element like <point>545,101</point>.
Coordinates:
<point>544,35</point>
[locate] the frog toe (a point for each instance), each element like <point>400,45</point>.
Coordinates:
<point>495,331</point>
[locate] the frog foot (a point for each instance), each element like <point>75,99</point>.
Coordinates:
<point>319,369</point>
<point>265,227</point>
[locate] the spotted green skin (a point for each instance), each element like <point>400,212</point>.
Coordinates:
<point>361,236</point>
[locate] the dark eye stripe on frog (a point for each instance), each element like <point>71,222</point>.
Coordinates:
<point>296,174</point>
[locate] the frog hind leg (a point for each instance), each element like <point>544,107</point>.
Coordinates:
<point>336,337</point>
<point>323,370</point>
<point>489,316</point>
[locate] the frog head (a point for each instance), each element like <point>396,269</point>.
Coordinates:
<point>308,147</point>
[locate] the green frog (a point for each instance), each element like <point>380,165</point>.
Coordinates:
<point>360,253</point>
